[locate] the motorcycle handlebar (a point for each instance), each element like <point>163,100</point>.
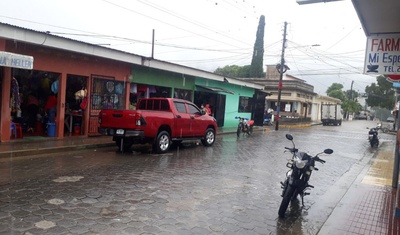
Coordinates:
<point>319,160</point>
<point>292,150</point>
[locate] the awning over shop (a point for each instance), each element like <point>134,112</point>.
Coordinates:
<point>265,92</point>
<point>213,89</point>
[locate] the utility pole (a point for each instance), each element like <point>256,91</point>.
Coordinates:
<point>351,98</point>
<point>152,46</point>
<point>281,69</point>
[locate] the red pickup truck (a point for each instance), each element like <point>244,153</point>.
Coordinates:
<point>159,121</point>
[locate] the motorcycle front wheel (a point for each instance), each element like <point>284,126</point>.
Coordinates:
<point>286,200</point>
<point>239,129</point>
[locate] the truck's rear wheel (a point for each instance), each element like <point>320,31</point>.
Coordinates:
<point>162,142</point>
<point>209,137</point>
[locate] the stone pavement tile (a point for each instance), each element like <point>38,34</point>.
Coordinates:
<point>368,206</point>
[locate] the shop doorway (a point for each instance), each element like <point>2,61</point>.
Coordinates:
<point>75,105</point>
<point>30,93</point>
<point>216,102</point>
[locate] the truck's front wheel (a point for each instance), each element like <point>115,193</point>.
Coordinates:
<point>209,137</point>
<point>162,142</point>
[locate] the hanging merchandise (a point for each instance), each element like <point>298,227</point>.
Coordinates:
<point>80,94</point>
<point>84,102</point>
<point>15,99</point>
<point>54,87</point>
<point>119,88</point>
<point>45,83</point>
<point>114,98</point>
<point>110,86</point>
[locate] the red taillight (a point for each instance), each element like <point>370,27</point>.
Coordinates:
<point>138,119</point>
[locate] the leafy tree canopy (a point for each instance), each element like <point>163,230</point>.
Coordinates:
<point>380,94</point>
<point>234,71</point>
<point>333,87</point>
<point>335,91</point>
<point>347,98</point>
<point>256,68</point>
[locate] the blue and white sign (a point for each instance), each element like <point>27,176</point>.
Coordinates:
<point>8,59</point>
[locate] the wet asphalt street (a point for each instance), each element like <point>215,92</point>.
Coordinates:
<point>230,188</point>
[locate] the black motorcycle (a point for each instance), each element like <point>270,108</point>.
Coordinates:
<point>373,137</point>
<point>296,183</point>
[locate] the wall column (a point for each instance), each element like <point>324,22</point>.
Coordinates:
<point>5,117</point>
<point>62,90</point>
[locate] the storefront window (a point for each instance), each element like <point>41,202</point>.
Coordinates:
<point>244,104</point>
<point>183,94</point>
<point>107,94</point>
<point>145,91</point>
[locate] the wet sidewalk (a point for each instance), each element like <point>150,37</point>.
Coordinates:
<point>368,205</point>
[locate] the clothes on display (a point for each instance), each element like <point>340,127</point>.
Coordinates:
<point>50,107</point>
<point>15,98</point>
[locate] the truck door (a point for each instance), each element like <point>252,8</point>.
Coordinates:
<point>182,121</point>
<point>197,126</point>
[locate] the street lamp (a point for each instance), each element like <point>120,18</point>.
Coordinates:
<point>282,68</point>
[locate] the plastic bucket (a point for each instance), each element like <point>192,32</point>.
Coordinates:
<point>77,128</point>
<point>51,129</point>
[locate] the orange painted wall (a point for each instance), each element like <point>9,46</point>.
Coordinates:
<point>65,62</point>
<point>55,60</point>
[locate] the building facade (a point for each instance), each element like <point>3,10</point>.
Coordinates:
<point>86,78</point>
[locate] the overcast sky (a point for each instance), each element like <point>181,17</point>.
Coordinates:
<point>207,34</point>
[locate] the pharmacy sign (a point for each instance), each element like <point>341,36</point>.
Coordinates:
<point>382,55</point>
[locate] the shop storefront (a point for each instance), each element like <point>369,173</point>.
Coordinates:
<point>78,85</point>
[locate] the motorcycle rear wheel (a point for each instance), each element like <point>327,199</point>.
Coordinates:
<point>285,201</point>
<point>249,130</point>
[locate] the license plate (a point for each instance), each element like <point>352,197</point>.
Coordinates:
<point>120,131</point>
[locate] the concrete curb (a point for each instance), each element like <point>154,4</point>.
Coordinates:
<point>58,149</point>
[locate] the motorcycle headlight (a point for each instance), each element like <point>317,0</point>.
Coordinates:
<point>300,164</point>
<point>289,164</point>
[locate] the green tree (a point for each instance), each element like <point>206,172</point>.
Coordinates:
<point>255,70</point>
<point>256,67</point>
<point>333,87</point>
<point>347,98</point>
<point>229,71</point>
<point>351,94</point>
<point>234,71</point>
<point>350,106</point>
<point>380,94</point>
<point>335,91</point>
